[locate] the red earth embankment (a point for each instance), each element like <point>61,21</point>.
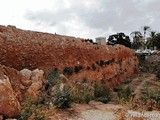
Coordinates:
<point>27,49</point>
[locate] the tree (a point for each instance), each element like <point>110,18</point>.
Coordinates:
<point>157,40</point>
<point>137,40</point>
<point>145,29</point>
<point>119,38</point>
<point>89,40</point>
<point>151,40</point>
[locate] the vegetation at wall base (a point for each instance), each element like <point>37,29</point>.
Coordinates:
<point>68,71</point>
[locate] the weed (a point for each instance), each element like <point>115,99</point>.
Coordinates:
<point>125,94</point>
<point>88,67</point>
<point>93,66</point>
<point>62,98</point>
<point>52,77</point>
<point>68,71</point>
<point>38,115</point>
<point>77,69</point>
<point>101,63</point>
<point>102,93</point>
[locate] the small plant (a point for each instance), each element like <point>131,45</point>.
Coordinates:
<point>63,98</point>
<point>82,91</point>
<point>102,93</point>
<point>101,63</point>
<point>93,66</point>
<point>38,115</point>
<point>77,69</point>
<point>84,80</point>
<point>125,94</point>
<point>112,60</point>
<point>68,71</point>
<point>52,77</point>
<point>150,96</point>
<point>88,67</point>
<point>97,62</point>
<point>26,112</point>
<point>109,61</point>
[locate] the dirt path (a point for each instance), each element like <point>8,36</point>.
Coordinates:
<point>138,83</point>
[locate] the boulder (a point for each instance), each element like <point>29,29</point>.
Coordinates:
<point>27,73</point>
<point>9,105</point>
<point>37,75</point>
<point>37,84</point>
<point>19,83</point>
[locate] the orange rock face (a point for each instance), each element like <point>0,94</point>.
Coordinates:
<point>13,86</point>
<point>9,105</point>
<point>27,49</point>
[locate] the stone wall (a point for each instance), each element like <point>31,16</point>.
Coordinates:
<point>27,49</point>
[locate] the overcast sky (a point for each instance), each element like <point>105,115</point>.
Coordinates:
<point>81,18</point>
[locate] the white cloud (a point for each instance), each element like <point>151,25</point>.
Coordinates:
<point>84,18</point>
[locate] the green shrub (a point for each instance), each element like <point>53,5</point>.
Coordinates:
<point>102,93</point>
<point>77,69</point>
<point>101,63</point>
<point>109,61</point>
<point>38,115</point>
<point>88,67</point>
<point>125,93</point>
<point>97,62</point>
<point>63,98</point>
<point>84,80</point>
<point>82,91</point>
<point>26,111</point>
<point>68,71</point>
<point>52,77</point>
<point>93,66</point>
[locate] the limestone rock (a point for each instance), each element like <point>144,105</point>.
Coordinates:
<point>37,75</point>
<point>9,105</point>
<point>27,73</point>
<point>37,84</point>
<point>19,83</point>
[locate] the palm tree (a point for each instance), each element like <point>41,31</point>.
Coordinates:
<point>151,40</point>
<point>137,39</point>
<point>145,29</point>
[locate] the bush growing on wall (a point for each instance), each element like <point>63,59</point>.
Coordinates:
<point>68,71</point>
<point>101,63</point>
<point>93,66</point>
<point>77,69</point>
<point>88,67</point>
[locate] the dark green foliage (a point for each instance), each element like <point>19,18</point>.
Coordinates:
<point>119,38</point>
<point>26,112</point>
<point>39,116</point>
<point>148,95</point>
<point>52,76</point>
<point>120,62</point>
<point>68,71</point>
<point>84,80</point>
<point>109,61</point>
<point>101,63</point>
<point>112,60</point>
<point>125,93</point>
<point>93,66</point>
<point>89,40</point>
<point>97,62</point>
<point>77,69</point>
<point>88,67</point>
<point>63,98</point>
<point>102,93</point>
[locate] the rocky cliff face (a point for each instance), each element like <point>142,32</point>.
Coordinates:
<point>27,49</point>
